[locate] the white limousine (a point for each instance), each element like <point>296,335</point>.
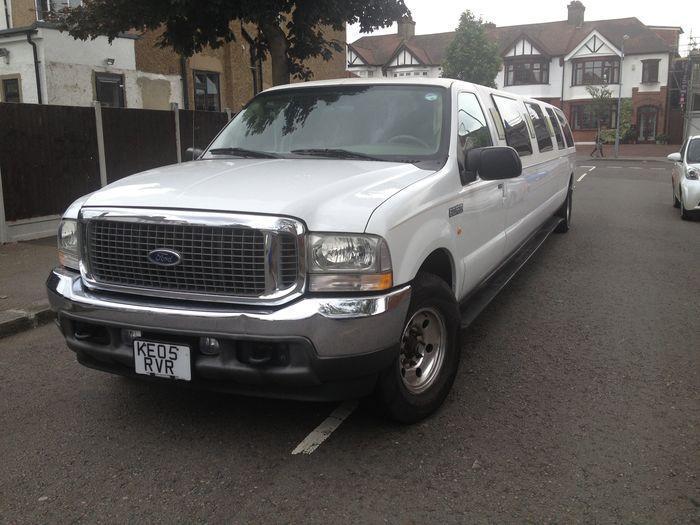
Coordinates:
<point>330,243</point>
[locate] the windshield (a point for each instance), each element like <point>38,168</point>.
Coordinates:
<point>694,152</point>
<point>379,122</point>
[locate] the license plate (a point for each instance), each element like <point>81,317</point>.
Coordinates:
<point>152,358</point>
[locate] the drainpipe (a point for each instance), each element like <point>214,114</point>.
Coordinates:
<point>37,73</point>
<point>183,75</point>
<point>253,60</point>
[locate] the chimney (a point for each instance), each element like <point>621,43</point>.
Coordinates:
<point>576,10</point>
<point>407,27</point>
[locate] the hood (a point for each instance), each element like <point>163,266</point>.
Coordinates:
<point>327,194</point>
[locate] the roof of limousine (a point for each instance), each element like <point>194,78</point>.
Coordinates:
<point>417,81</point>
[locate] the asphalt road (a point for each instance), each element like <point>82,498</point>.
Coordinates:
<point>576,401</point>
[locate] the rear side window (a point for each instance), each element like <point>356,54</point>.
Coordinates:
<point>517,135</point>
<point>557,130</point>
<point>567,130</point>
<point>472,130</point>
<point>544,139</point>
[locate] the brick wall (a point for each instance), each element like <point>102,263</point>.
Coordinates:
<point>23,13</point>
<point>232,62</point>
<point>657,99</point>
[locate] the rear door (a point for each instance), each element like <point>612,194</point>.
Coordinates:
<point>526,193</point>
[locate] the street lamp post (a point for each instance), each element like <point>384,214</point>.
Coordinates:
<point>619,98</point>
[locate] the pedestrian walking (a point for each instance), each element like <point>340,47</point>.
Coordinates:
<point>598,149</point>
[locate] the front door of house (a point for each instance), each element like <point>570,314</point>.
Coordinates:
<point>646,123</point>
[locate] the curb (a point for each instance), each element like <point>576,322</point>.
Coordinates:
<point>15,321</point>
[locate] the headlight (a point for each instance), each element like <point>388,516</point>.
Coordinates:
<point>68,250</point>
<point>348,263</point>
<point>692,175</point>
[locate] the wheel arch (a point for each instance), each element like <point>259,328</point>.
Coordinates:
<point>440,263</point>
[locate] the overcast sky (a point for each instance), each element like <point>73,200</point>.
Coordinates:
<point>435,16</point>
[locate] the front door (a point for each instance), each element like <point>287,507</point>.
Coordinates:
<point>646,123</point>
<point>480,216</point>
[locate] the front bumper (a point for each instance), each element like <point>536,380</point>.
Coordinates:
<point>321,347</point>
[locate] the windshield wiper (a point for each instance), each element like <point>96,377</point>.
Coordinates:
<point>242,152</point>
<point>334,153</point>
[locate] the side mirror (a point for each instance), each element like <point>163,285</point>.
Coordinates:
<point>193,153</point>
<point>675,157</point>
<point>494,163</point>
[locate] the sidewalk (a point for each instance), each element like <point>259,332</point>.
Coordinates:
<point>24,268</point>
<point>629,152</point>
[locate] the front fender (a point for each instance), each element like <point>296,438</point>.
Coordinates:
<point>415,223</point>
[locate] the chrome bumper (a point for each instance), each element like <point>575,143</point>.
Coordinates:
<point>335,326</point>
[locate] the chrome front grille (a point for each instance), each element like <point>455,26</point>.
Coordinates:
<point>216,261</point>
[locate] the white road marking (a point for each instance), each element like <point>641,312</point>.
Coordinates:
<point>658,169</point>
<point>614,167</point>
<point>325,429</point>
<point>590,169</point>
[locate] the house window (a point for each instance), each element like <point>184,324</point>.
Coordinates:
<point>48,7</point>
<point>650,71</point>
<point>370,74</point>
<point>206,91</point>
<point>592,72</point>
<point>524,72</point>
<point>583,116</point>
<point>109,89</point>
<point>544,139</point>
<point>517,133</point>
<point>10,91</point>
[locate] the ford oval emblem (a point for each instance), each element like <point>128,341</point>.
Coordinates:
<point>165,257</point>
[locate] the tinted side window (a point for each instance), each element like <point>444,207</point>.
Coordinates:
<point>472,129</point>
<point>517,135</point>
<point>567,130</point>
<point>544,140</point>
<point>557,130</point>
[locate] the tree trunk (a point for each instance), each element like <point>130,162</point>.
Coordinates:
<point>277,41</point>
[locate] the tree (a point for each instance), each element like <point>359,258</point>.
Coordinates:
<point>289,31</point>
<point>472,56</point>
<point>601,103</point>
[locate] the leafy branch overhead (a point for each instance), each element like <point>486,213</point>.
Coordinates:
<point>289,31</point>
<point>472,56</point>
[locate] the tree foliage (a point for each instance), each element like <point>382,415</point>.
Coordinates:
<point>601,103</point>
<point>289,31</point>
<point>472,56</point>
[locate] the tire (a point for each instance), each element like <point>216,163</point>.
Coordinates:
<point>685,214</point>
<point>564,212</point>
<point>676,202</point>
<point>407,393</point>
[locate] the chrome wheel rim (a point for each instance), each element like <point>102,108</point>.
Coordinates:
<point>423,344</point>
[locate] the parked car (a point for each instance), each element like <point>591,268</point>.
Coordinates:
<point>685,178</point>
<point>322,246</point>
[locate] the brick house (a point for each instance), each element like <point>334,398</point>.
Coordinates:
<point>39,64</point>
<point>552,61</point>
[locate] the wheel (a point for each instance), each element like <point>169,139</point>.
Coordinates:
<point>418,381</point>
<point>565,210</point>
<point>685,215</point>
<point>676,202</point>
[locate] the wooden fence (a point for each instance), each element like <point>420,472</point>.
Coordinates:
<point>50,155</point>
